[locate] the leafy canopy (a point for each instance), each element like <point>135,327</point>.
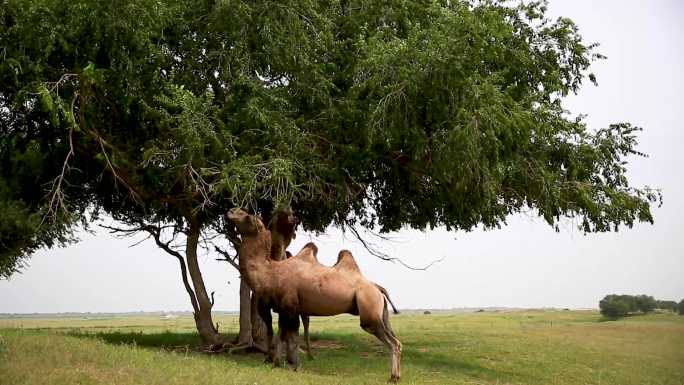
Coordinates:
<point>384,114</point>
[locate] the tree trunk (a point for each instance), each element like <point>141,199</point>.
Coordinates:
<point>245,333</point>
<point>259,335</point>
<point>203,321</point>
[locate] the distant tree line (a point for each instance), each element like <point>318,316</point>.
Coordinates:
<point>667,305</point>
<point>616,306</point>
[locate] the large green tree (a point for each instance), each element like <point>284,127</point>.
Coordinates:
<point>164,114</point>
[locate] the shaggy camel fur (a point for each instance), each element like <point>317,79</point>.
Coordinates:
<point>295,286</point>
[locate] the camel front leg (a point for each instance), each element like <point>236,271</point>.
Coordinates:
<point>288,325</point>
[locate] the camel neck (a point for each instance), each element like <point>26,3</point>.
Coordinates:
<point>278,246</point>
<point>255,257</point>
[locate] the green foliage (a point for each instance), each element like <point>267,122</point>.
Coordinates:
<point>680,307</point>
<point>387,115</point>
<point>616,306</point>
<point>23,230</point>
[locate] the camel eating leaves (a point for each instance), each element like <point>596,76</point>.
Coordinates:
<point>297,286</point>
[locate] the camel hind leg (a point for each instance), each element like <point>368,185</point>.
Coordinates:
<point>396,344</point>
<point>307,341</point>
<point>379,326</point>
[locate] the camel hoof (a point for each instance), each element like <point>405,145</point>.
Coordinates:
<point>393,379</point>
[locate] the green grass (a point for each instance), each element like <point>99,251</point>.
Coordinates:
<point>531,347</point>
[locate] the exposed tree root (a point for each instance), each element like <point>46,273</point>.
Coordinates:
<point>232,348</point>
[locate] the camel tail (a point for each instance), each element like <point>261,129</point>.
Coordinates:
<point>384,292</point>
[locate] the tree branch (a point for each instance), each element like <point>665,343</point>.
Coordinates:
<point>228,258</point>
<point>385,257</point>
<point>54,86</point>
<point>56,193</point>
<point>201,186</point>
<point>155,232</point>
<point>134,194</point>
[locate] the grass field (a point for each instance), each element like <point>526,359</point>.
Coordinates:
<point>522,347</point>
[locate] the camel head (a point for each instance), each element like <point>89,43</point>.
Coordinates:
<point>283,227</point>
<point>285,222</point>
<point>245,223</point>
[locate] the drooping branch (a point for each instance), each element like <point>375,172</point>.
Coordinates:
<point>56,192</point>
<point>82,97</point>
<point>235,242</point>
<point>134,194</point>
<point>384,256</point>
<point>201,186</point>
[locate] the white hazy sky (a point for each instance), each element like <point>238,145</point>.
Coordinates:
<point>525,264</point>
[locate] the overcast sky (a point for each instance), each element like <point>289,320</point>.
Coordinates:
<point>525,264</point>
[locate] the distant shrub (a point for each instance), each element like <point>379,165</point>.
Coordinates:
<point>681,307</point>
<point>667,305</point>
<point>644,303</point>
<point>616,306</point>
<point>426,312</point>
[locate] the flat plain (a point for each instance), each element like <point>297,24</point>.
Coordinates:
<point>498,347</point>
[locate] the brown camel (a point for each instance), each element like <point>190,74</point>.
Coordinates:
<point>295,286</point>
<point>282,228</point>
